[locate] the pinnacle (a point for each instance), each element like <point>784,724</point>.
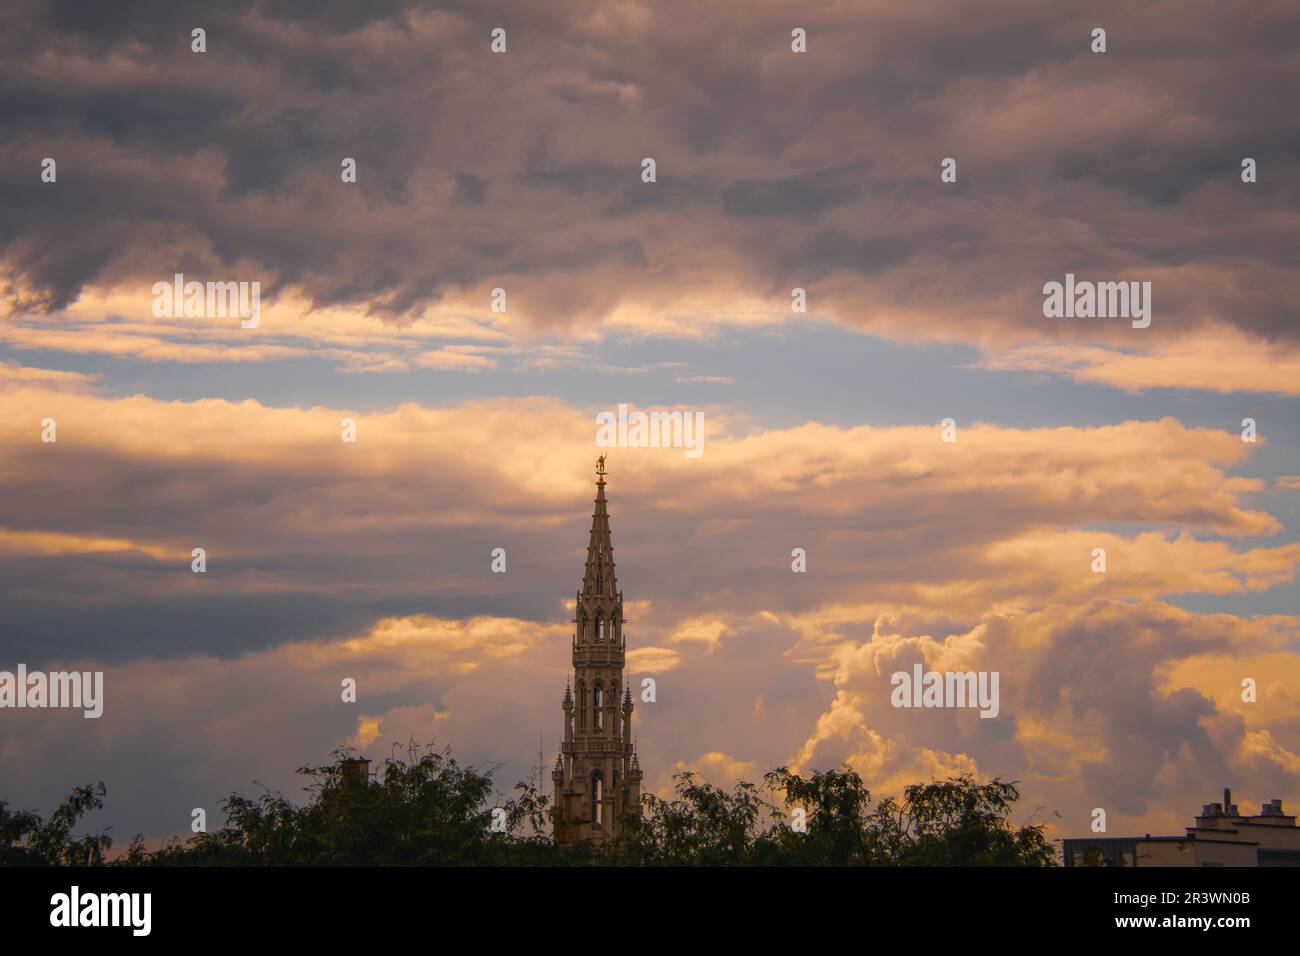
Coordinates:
<point>599,579</point>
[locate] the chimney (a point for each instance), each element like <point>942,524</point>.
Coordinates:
<point>355,771</point>
<point>1229,809</point>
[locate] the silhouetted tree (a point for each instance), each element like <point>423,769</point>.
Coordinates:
<point>423,810</point>
<point>27,840</point>
<point>426,809</point>
<point>837,819</point>
<point>958,822</point>
<point>704,826</point>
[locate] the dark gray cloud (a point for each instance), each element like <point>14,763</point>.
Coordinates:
<point>771,165</point>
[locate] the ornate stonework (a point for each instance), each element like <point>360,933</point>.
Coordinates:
<point>597,776</point>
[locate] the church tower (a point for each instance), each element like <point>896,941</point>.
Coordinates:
<point>597,776</point>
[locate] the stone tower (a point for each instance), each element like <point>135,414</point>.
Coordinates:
<point>597,776</point>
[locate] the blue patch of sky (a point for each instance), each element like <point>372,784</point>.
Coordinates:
<point>780,375</point>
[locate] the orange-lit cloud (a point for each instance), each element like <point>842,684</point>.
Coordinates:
<point>973,555</point>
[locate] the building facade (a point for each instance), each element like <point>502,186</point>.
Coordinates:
<point>1222,836</point>
<point>597,776</point>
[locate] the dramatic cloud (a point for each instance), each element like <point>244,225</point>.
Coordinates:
<point>775,170</point>
<point>372,560</point>
<point>1081,443</point>
<point>1109,703</point>
<point>409,513</point>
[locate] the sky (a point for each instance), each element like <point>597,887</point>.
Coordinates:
<point>774,170</point>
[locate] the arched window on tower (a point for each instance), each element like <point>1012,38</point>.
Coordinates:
<point>582,706</point>
<point>597,798</point>
<point>598,624</point>
<point>599,722</point>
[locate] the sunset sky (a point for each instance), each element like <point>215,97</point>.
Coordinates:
<point>476,429</point>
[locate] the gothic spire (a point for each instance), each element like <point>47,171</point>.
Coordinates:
<point>599,577</point>
<point>598,783</point>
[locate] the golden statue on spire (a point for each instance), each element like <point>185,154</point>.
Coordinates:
<point>600,467</point>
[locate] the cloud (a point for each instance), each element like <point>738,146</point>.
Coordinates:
<point>192,730</point>
<point>372,561</point>
<point>305,532</point>
<point>328,560</point>
<point>653,660</point>
<point>706,631</point>
<point>1124,705</point>
<point>775,170</point>
<point>1239,363</point>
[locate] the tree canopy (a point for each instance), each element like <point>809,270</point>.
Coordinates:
<point>424,808</point>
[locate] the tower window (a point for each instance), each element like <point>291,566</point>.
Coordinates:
<point>597,798</point>
<point>600,712</point>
